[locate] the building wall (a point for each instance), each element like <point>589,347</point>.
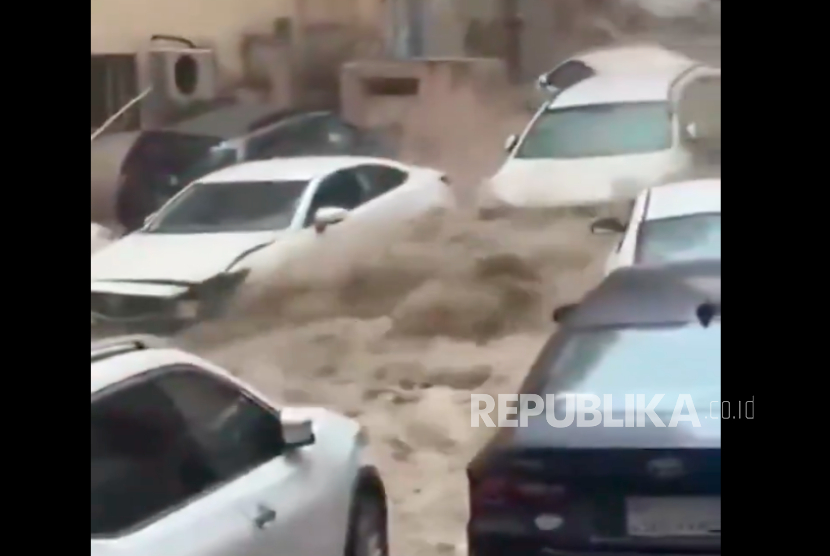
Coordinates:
<point>121,26</point>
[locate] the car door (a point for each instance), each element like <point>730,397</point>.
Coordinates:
<point>152,490</point>
<point>280,495</point>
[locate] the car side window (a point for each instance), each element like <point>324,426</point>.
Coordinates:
<point>236,433</point>
<point>324,134</point>
<point>144,461</point>
<point>337,136</point>
<point>382,179</point>
<point>302,135</point>
<point>159,443</point>
<point>342,189</point>
<point>272,143</point>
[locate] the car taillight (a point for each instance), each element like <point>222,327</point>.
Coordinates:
<point>500,491</point>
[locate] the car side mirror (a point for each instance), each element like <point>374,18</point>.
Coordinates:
<point>149,218</point>
<point>607,226</point>
<point>562,312</point>
<point>326,216</point>
<point>510,143</point>
<point>297,434</point>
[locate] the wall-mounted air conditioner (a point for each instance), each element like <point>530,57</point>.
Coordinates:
<point>183,75</point>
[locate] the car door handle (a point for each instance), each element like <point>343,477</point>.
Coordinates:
<point>265,517</point>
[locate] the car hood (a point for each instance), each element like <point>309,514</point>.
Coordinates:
<point>188,258</point>
<point>535,183</point>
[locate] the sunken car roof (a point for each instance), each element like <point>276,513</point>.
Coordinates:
<point>653,294</point>
<point>234,120</point>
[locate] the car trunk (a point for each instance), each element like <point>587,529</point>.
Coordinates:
<point>599,489</point>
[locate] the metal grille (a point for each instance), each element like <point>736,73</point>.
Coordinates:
<point>128,307</point>
<point>114,82</point>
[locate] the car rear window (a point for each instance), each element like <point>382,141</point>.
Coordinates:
<point>681,238</point>
<point>669,360</point>
<point>167,151</point>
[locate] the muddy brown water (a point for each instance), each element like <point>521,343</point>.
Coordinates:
<point>402,339</point>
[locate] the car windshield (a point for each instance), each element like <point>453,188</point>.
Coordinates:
<point>230,207</point>
<point>218,157</point>
<point>669,360</point>
<point>679,239</point>
<point>599,130</point>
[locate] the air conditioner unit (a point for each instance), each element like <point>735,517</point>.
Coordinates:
<point>184,75</point>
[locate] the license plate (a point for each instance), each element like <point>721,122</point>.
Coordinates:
<point>692,516</point>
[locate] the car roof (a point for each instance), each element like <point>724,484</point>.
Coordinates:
<point>235,120</point>
<point>637,58</point>
<point>649,295</point>
<point>121,358</point>
<point>608,89</point>
<point>294,168</point>
<point>684,198</point>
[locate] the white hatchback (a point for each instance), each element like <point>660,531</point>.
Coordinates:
<point>607,135</point>
<point>246,222</point>
<point>673,222</point>
<point>188,460</point>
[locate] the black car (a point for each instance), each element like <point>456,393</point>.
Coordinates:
<point>161,162</point>
<point>614,490</point>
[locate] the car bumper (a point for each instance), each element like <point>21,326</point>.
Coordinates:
<point>161,325</point>
<point>161,308</point>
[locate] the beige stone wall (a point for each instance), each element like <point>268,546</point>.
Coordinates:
<point>126,25</point>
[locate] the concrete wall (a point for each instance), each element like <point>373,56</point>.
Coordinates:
<point>126,25</point>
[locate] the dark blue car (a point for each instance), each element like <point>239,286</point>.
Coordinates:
<point>630,489</point>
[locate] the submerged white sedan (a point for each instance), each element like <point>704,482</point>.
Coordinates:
<point>242,223</point>
<point>618,121</point>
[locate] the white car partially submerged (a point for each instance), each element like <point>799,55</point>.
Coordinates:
<point>188,460</point>
<point>243,223</point>
<point>674,222</point>
<point>616,60</point>
<point>605,135</point>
